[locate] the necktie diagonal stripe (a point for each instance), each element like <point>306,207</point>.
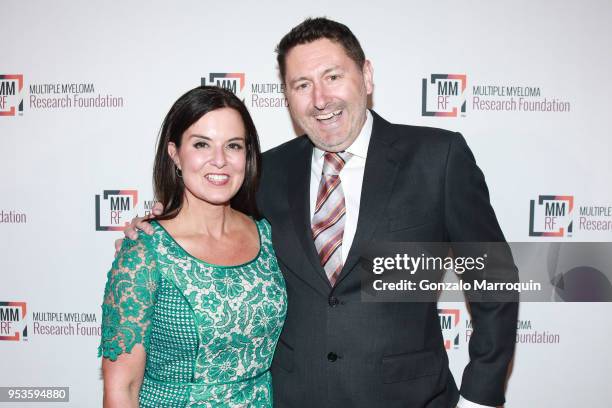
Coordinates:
<point>332,218</point>
<point>324,191</point>
<point>329,249</point>
<point>329,215</point>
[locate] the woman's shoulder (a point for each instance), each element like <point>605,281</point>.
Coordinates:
<point>265,233</point>
<point>264,226</point>
<point>143,248</point>
<point>143,240</point>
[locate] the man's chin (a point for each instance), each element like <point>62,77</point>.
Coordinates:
<point>330,145</point>
<point>335,149</point>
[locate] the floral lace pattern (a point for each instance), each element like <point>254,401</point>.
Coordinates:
<point>223,322</point>
<point>128,298</point>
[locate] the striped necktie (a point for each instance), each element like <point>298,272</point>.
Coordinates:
<point>329,215</point>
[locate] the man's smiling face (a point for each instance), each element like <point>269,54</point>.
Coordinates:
<point>327,93</point>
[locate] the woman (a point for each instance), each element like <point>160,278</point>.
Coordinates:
<point>192,313</point>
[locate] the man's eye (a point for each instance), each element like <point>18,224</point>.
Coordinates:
<point>334,77</point>
<point>302,86</point>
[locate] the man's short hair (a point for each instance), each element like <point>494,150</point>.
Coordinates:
<point>313,29</point>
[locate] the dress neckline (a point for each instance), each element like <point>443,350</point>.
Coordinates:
<point>184,251</point>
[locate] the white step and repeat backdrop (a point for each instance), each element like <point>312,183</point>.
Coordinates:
<point>84,87</point>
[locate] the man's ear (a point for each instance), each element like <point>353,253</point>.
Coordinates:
<point>368,76</point>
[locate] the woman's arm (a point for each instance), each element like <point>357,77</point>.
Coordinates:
<point>129,299</point>
<point>123,378</point>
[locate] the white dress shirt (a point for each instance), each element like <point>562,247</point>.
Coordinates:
<point>351,178</point>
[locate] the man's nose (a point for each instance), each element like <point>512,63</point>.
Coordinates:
<point>320,97</point>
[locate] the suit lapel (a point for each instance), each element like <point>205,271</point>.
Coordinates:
<point>381,168</point>
<point>299,202</point>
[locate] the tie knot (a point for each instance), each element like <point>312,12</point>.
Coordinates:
<point>334,162</point>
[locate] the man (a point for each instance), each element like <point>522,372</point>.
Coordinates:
<point>358,179</point>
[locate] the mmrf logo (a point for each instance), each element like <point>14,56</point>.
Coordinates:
<point>551,216</point>
<point>11,95</point>
<point>114,209</point>
<point>13,325</point>
<point>449,323</point>
<point>233,81</point>
<point>444,95</point>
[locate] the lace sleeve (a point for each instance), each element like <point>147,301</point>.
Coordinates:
<point>129,298</point>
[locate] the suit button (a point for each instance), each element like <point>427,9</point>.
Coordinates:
<point>333,301</point>
<point>332,357</point>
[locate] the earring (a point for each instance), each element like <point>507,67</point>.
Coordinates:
<point>179,172</point>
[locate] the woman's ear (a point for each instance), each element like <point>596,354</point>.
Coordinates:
<point>173,152</point>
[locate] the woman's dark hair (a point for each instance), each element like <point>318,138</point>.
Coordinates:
<point>313,29</point>
<point>188,109</point>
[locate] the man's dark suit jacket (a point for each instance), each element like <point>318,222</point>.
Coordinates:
<point>420,184</point>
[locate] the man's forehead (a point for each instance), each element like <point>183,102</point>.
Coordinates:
<point>315,59</point>
<point>307,72</point>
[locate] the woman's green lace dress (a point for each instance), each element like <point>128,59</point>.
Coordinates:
<point>209,331</point>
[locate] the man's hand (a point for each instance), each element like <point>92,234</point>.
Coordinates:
<point>139,223</point>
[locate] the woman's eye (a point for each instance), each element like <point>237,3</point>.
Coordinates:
<point>200,145</point>
<point>235,146</point>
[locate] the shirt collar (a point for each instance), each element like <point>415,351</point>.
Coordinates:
<point>359,147</point>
